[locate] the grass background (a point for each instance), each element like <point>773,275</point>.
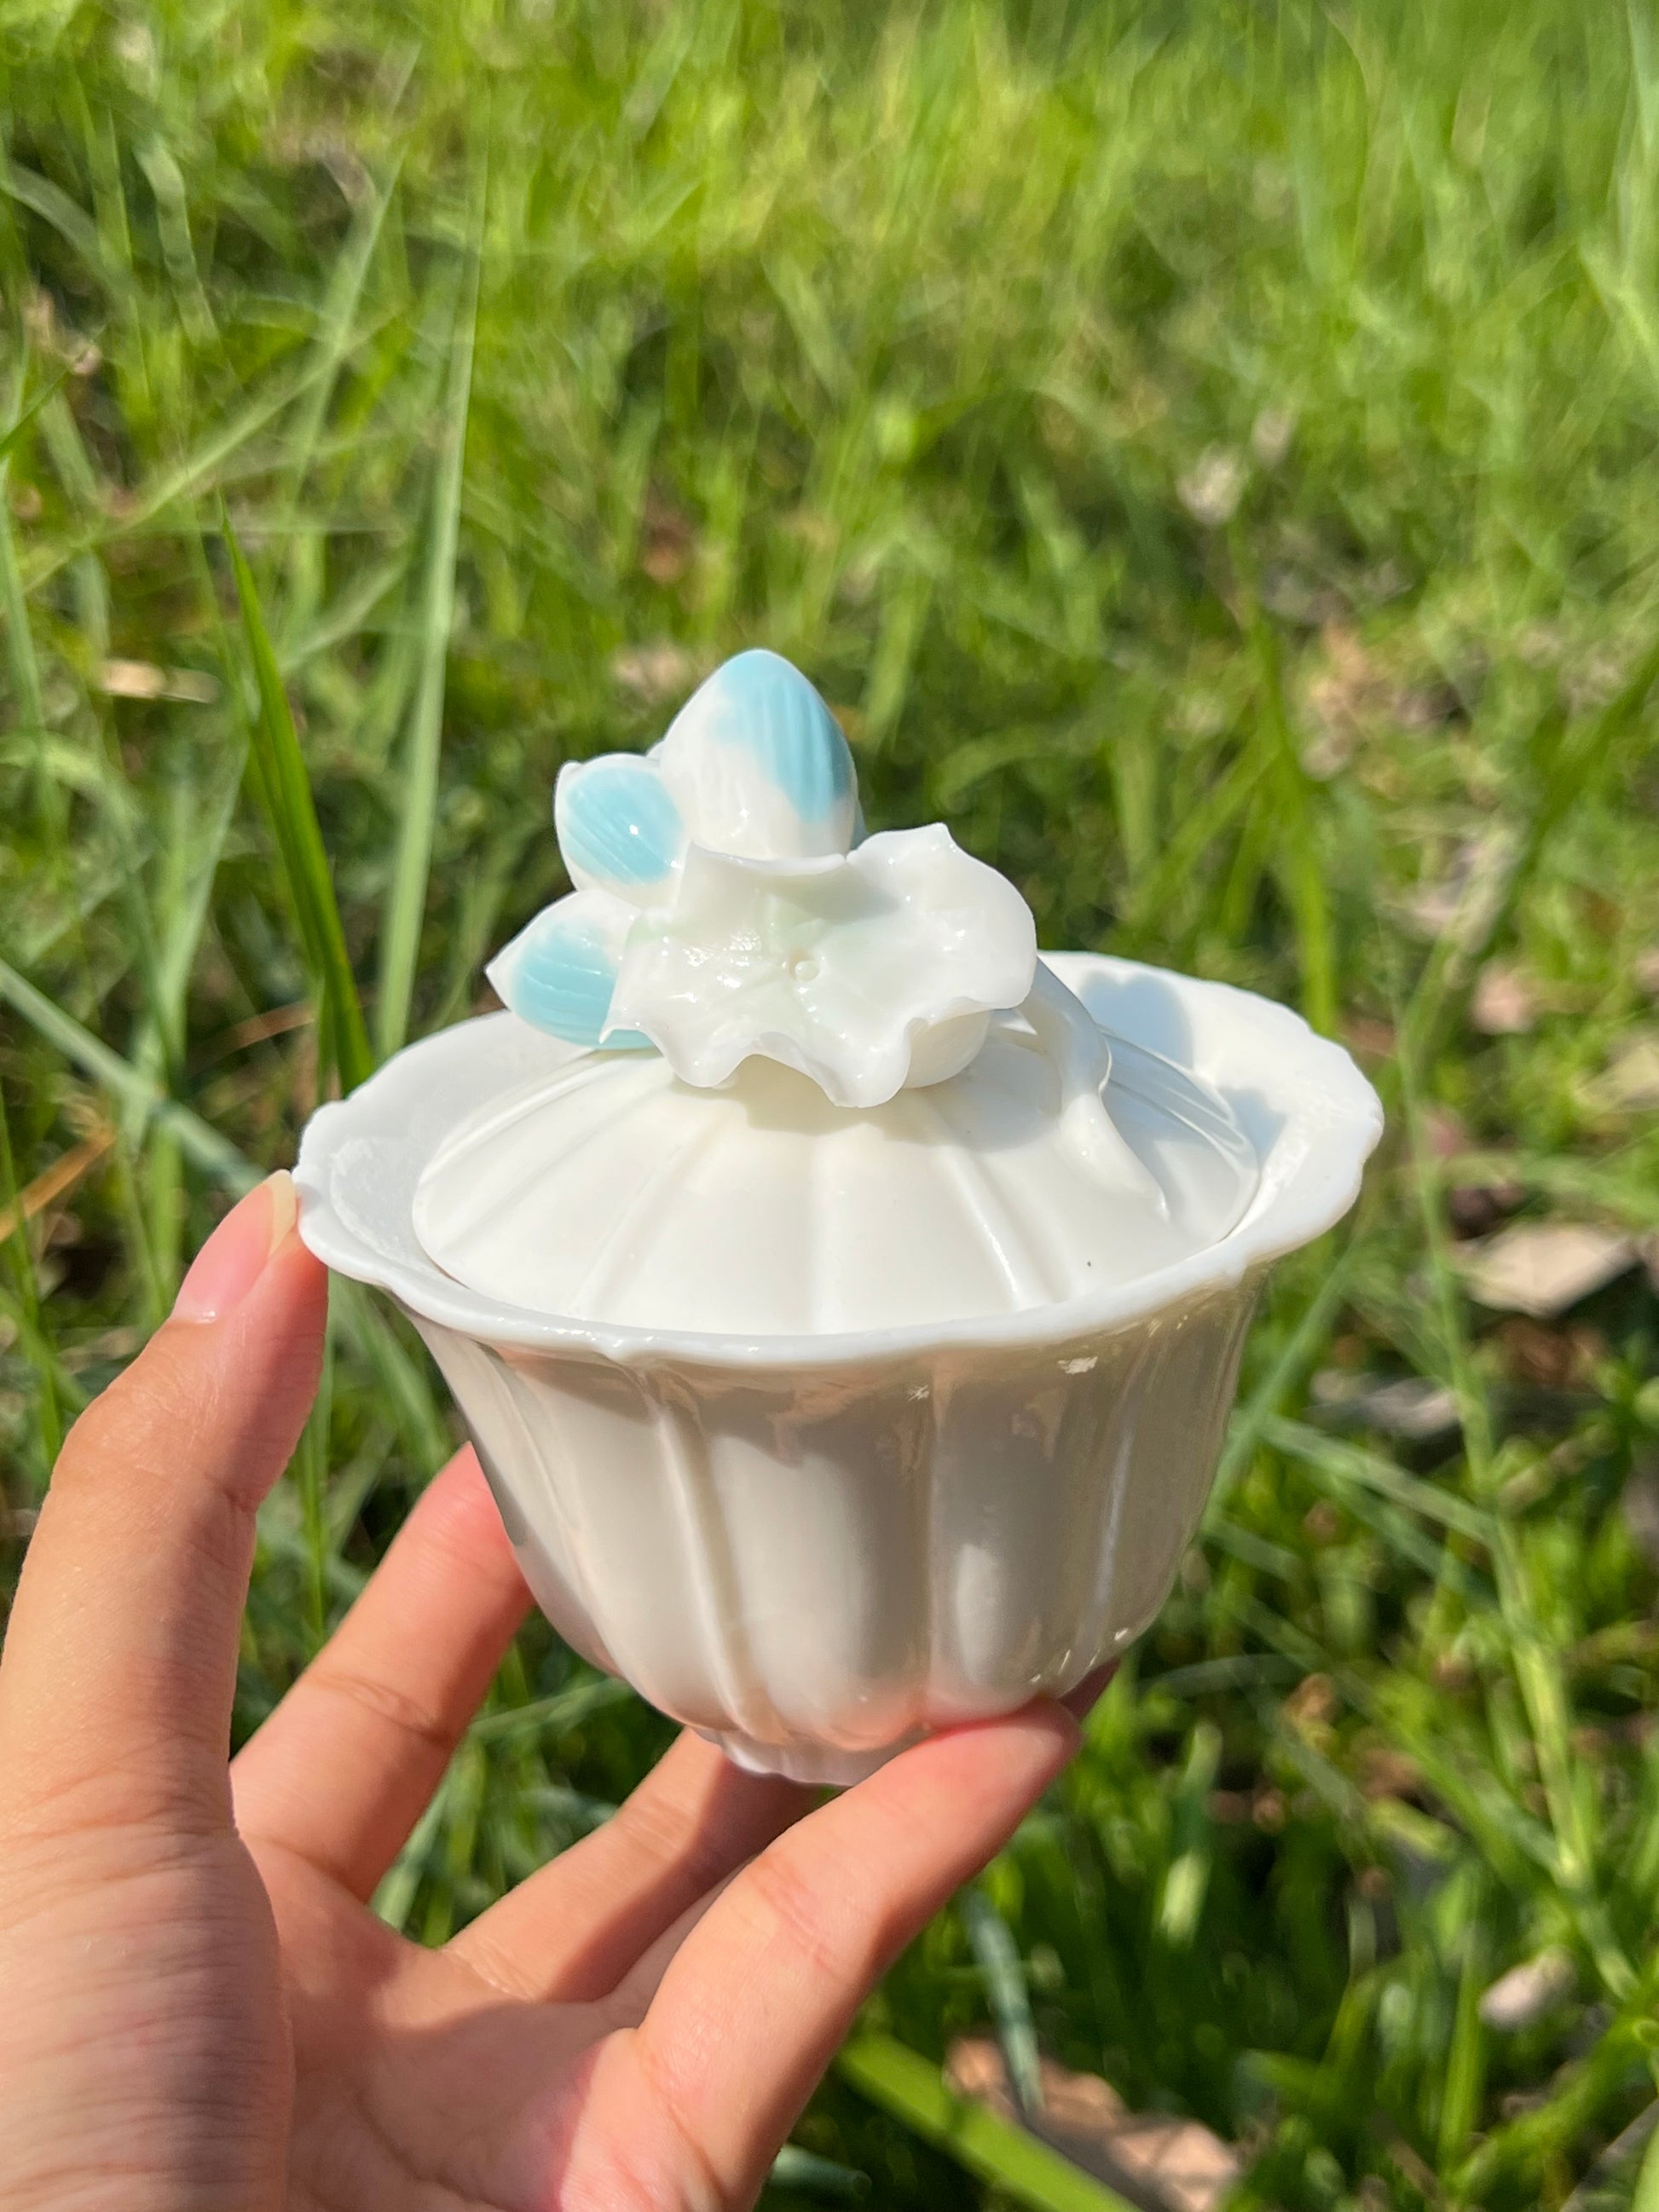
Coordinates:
<point>1203,451</point>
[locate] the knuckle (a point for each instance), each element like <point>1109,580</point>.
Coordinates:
<point>382,1702</point>
<point>143,1422</point>
<point>793,1913</point>
<point>674,2170</point>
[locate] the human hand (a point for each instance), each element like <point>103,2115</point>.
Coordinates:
<point>200,2009</point>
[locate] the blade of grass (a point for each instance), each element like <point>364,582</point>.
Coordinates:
<point>552,1716</point>
<point>1245,1429</point>
<point>40,399</point>
<point>1645,2196</point>
<point>1004,1973</point>
<point>50,812</point>
<point>794,2168</point>
<point>1536,1667</point>
<point>53,205</point>
<point>1565,763</point>
<point>1431,1499</point>
<point>308,1471</point>
<point>333,340</point>
<point>20,1263</point>
<point>331,345</point>
<point>404,1381</point>
<point>405,905</point>
<point>407,1391</point>
<point>1296,860</point>
<point>181,481</point>
<point>283,785</point>
<point>210,1152</point>
<point>906,2085</point>
<point>1460,2103</point>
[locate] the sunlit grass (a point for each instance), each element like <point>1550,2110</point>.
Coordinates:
<point>1206,453</point>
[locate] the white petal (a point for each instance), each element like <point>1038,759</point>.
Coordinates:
<point>866,973</point>
<point>757,764</point>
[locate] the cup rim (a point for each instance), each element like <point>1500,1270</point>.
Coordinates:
<point>1315,1119</point>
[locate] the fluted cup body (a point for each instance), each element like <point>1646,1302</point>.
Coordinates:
<point>815,1551</point>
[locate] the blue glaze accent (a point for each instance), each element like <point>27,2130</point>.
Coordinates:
<point>774,713</point>
<point>617,823</point>
<point>556,976</point>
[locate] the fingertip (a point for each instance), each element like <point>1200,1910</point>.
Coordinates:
<point>458,1512</point>
<point>1015,1755</point>
<point>260,1233</point>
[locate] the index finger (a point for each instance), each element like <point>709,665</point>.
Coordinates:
<point>119,1666</point>
<point>786,1955</point>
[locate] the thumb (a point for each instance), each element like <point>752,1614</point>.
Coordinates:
<point>121,1659</point>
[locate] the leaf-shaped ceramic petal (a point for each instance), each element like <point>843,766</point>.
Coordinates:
<point>866,972</point>
<point>619,829</point>
<point>559,972</point>
<point>759,766</point>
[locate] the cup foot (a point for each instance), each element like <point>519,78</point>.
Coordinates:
<point>819,1763</point>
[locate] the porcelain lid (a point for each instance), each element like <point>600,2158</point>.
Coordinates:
<point>607,1190</point>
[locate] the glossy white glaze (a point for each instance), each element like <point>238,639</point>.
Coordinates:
<point>815,1546</point>
<point>605,1189</point>
<point>727,907</point>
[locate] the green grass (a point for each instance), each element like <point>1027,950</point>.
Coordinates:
<point>1206,452</point>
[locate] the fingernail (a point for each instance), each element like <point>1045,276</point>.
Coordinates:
<point>234,1258</point>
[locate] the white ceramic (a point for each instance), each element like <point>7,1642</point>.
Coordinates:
<point>814,1547</point>
<point>728,907</point>
<point>605,1188</point>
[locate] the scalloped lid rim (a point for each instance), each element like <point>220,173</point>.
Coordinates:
<point>1319,1121</point>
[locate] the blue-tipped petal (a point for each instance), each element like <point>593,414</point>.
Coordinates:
<point>759,765</point>
<point>618,827</point>
<point>771,709</point>
<point>559,974</point>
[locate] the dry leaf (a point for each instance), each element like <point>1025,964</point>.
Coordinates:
<point>56,1180</point>
<point>1159,2162</point>
<point>1528,1991</point>
<point>1629,1082</point>
<point>1386,1772</point>
<point>667,540</point>
<point>1408,1406</point>
<point>1348,691</point>
<point>1210,490</point>
<point>1460,904</point>
<point>1505,1001</point>
<point>1639,1505</point>
<point>1477,1208</point>
<point>1543,1268</point>
<point>1370,1037</point>
<point>1270,434</point>
<point>17,1522</point>
<point>141,679</point>
<point>1312,1703</point>
<point>1268,1809</point>
<point>654,672</point>
<point>1444,1134</point>
<point>1552,1358</point>
<point>1321,1523</point>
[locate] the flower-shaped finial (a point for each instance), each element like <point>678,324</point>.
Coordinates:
<point>723,908</point>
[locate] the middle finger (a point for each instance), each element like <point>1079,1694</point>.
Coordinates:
<point>573,1930</point>
<point>340,1772</point>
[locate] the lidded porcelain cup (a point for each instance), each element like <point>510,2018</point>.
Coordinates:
<point>846,1302</point>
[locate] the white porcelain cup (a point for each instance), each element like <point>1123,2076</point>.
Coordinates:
<point>816,1549</point>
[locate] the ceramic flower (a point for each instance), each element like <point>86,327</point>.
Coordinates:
<point>723,910</point>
